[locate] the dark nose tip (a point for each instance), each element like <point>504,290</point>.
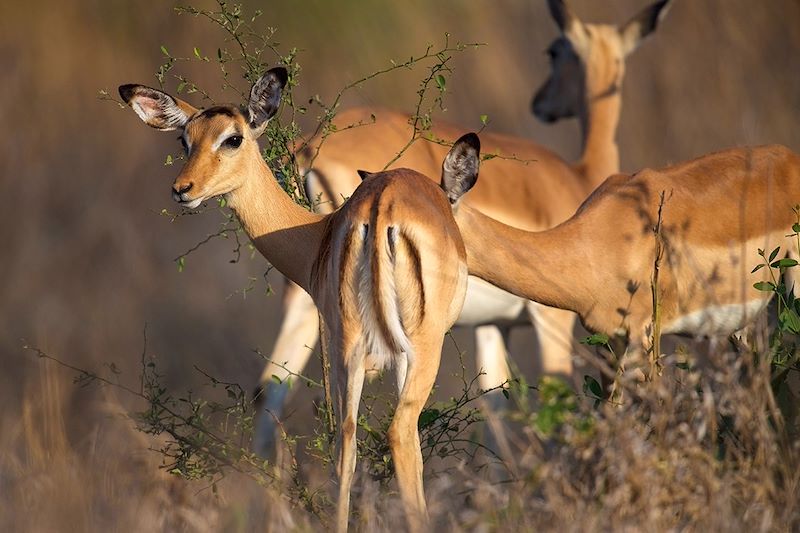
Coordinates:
<point>178,192</point>
<point>540,113</point>
<point>536,105</point>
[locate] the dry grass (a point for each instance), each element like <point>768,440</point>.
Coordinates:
<point>694,450</point>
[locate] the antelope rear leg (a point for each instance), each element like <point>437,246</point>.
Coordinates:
<point>423,365</point>
<point>348,382</point>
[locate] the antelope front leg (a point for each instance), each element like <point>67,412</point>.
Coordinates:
<point>491,359</point>
<point>554,332</point>
<point>403,434</point>
<point>293,348</point>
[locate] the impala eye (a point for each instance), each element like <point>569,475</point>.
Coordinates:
<point>183,144</point>
<point>235,141</point>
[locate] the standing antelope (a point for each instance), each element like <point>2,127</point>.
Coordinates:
<point>387,270</point>
<point>718,210</point>
<point>588,66</point>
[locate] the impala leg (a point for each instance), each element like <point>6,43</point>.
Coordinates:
<point>348,381</point>
<point>403,435</point>
<point>554,331</point>
<point>491,358</point>
<point>293,347</point>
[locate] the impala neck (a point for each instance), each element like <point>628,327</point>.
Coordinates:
<point>528,264</point>
<point>287,235</point>
<point>599,122</point>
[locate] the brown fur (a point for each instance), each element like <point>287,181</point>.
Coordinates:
<point>718,210</point>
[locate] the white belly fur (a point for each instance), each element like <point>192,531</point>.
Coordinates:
<point>716,320</point>
<point>485,303</point>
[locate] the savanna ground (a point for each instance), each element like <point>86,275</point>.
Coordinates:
<point>89,271</point>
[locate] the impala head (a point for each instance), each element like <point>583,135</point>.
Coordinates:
<point>587,61</point>
<point>460,167</point>
<point>220,142</point>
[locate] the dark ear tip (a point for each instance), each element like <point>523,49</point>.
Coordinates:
<point>471,139</point>
<point>127,91</point>
<point>364,174</point>
<point>281,74</point>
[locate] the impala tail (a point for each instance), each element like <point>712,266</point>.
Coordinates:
<point>381,276</point>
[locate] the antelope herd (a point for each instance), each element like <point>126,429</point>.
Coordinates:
<point>402,260</point>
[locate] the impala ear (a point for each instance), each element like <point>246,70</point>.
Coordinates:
<point>568,23</point>
<point>265,98</point>
<point>157,108</point>
<point>363,174</point>
<point>562,14</point>
<point>460,167</point>
<point>642,25</point>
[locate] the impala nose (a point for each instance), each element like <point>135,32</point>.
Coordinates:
<point>178,192</point>
<point>539,111</point>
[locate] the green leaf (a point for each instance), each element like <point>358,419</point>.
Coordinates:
<point>486,157</point>
<point>505,393</point>
<point>181,85</point>
<point>789,320</point>
<point>168,160</point>
<point>774,254</point>
<point>181,263</point>
<point>796,227</point>
<point>593,386</point>
<point>596,339</point>
<point>784,263</point>
<point>222,202</point>
<point>758,267</point>
<point>427,417</point>
<point>766,286</point>
<point>164,50</point>
<point>441,82</point>
<point>197,53</point>
<point>484,119</point>
<point>546,421</point>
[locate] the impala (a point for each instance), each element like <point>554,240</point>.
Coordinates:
<point>387,270</point>
<point>588,66</point>
<point>717,211</point>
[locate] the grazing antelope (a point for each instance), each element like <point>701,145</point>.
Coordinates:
<point>717,212</point>
<point>387,270</point>
<point>587,69</point>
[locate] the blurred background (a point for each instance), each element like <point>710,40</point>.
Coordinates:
<point>88,260</point>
